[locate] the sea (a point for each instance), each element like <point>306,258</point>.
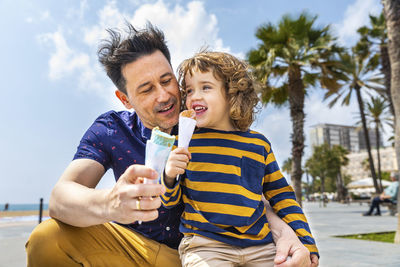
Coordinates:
<point>22,207</point>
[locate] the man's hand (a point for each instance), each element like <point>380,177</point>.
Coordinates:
<point>290,252</point>
<point>177,162</point>
<point>299,254</point>
<point>314,260</point>
<point>125,203</point>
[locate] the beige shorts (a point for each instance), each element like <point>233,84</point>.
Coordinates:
<point>199,251</point>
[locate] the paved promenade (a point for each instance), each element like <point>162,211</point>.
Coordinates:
<point>12,243</point>
<point>335,219</point>
<point>342,219</point>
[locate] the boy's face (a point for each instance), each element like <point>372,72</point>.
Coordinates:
<point>206,95</point>
<point>152,91</point>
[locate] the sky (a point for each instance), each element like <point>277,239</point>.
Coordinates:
<point>53,88</point>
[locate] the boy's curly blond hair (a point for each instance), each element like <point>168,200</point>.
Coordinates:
<point>234,74</point>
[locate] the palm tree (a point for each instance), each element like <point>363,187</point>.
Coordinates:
<point>359,69</point>
<point>289,55</point>
<point>339,159</point>
<point>320,165</point>
<point>326,162</point>
<point>375,110</point>
<point>376,35</point>
<point>391,10</point>
<point>287,165</point>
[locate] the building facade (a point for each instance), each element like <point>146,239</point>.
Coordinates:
<point>334,134</point>
<point>357,168</point>
<point>372,138</point>
<point>349,137</point>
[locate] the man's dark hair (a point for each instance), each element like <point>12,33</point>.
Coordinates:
<point>117,51</point>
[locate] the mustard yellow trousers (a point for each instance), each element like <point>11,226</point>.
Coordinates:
<point>53,243</point>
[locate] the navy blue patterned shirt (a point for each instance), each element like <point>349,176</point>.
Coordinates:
<point>117,140</point>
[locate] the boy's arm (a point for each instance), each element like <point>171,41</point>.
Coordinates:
<point>283,201</point>
<point>172,194</point>
<point>176,165</point>
<point>287,243</point>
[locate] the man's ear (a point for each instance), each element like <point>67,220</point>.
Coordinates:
<point>123,98</point>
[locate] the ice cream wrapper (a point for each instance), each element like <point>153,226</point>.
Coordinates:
<point>157,152</point>
<point>186,128</point>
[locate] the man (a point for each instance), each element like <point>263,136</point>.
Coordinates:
<point>388,195</point>
<point>81,232</point>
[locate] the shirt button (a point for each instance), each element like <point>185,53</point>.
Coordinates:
<point>167,228</point>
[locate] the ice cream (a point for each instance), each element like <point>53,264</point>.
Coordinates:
<point>160,138</point>
<point>187,123</point>
<point>157,151</point>
<point>190,113</point>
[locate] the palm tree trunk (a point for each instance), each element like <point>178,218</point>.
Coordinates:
<point>386,73</point>
<point>323,190</point>
<point>340,187</point>
<point>307,187</point>
<point>378,154</point>
<point>366,134</point>
<point>296,101</point>
<point>391,9</point>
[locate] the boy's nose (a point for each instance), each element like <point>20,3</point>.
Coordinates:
<point>196,94</point>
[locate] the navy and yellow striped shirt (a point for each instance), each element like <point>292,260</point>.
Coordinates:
<point>223,186</point>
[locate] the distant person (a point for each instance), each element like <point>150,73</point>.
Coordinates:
<point>6,207</point>
<point>99,227</point>
<point>388,195</point>
<point>226,171</point>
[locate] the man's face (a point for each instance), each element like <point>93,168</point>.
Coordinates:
<point>152,91</point>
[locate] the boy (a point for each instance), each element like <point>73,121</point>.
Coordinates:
<point>226,171</point>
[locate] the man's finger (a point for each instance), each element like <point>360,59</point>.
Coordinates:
<point>148,203</point>
<point>282,252</point>
<point>148,215</point>
<point>144,190</point>
<point>134,171</point>
<point>314,260</point>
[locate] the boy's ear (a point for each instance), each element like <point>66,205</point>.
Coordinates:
<point>123,98</point>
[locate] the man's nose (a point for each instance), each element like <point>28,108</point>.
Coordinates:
<point>163,94</point>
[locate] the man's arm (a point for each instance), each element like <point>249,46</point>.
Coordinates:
<point>75,201</point>
<point>287,243</point>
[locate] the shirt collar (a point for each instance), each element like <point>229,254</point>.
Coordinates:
<point>145,132</point>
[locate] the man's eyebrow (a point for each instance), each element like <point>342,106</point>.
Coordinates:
<point>147,83</point>
<point>166,74</point>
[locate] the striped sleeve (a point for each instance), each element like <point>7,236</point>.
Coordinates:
<point>172,196</point>
<point>283,201</point>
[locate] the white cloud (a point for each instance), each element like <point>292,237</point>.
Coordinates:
<point>356,15</point>
<point>187,28</point>
<point>78,13</point>
<point>44,15</point>
<point>109,17</point>
<point>64,60</point>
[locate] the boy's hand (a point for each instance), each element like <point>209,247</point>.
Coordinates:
<point>176,164</point>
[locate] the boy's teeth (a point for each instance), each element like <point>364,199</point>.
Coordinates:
<point>199,108</point>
